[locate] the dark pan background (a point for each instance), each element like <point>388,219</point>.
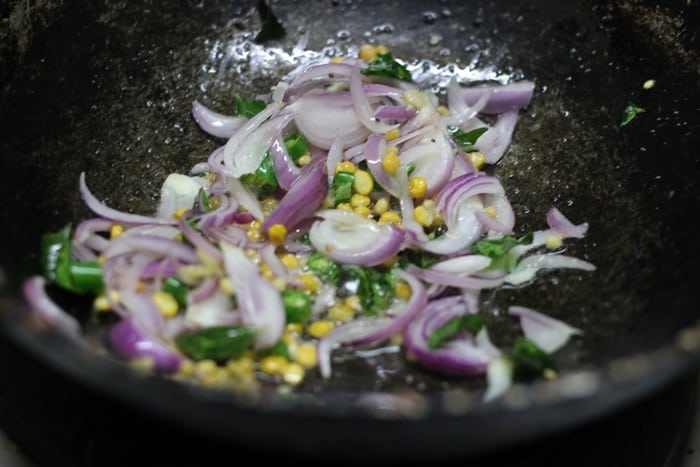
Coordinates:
<point>106,88</point>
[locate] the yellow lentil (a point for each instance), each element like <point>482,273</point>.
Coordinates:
<point>359,200</point>
<point>116,230</point>
<point>477,158</point>
<point>345,166</point>
<point>391,163</point>
<point>368,52</point>
<point>273,364</point>
<point>389,217</point>
<point>417,187</point>
<point>290,261</point>
<point>277,233</point>
<point>320,328</point>
<point>381,206</point>
<point>392,134</point>
<point>293,373</point>
<point>363,182</point>
<point>341,312</point>
<point>306,355</point>
<point>403,291</point>
<point>166,303</point>
<point>553,242</point>
<point>310,281</point>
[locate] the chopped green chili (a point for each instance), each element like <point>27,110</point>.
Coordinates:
<point>470,323</point>
<point>217,343</point>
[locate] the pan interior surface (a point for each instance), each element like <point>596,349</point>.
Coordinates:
<point>106,88</point>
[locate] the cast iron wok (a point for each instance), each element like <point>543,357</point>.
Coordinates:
<point>106,88</point>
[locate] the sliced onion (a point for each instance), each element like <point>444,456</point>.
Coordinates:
<point>153,244</point>
<point>285,168</point>
<point>142,310</point>
<point>501,98</point>
<point>179,191</point>
<point>335,157</point>
<point>374,153</point>
<point>464,355</point>
<point>324,117</point>
<point>112,214</point>
<point>499,377</point>
<point>259,303</point>
<point>204,290</point>
<point>557,221</point>
<point>395,112</point>
<point>353,239</point>
<point>124,271</point>
<point>336,337</point>
<point>243,154</point>
<point>303,198</point>
<point>214,123</point>
<point>132,342</point>
<point>528,267</point>
<point>200,243</point>
<point>462,112</point>
<point>400,315</point>
<point>361,103</point>
<point>245,197</point>
<point>453,280</point>
<point>550,334</point>
<point>433,160</point>
<point>47,310</point>
<point>496,140</point>
<point>213,310</point>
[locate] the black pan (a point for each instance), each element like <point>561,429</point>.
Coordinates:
<point>106,88</point>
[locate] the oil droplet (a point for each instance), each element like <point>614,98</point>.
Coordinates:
<point>429,17</point>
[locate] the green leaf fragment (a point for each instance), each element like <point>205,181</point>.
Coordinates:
<point>385,65</point>
<point>631,111</point>
<point>249,108</point>
<point>498,250</point>
<point>469,323</point>
<point>466,139</point>
<point>529,361</point>
<point>264,178</point>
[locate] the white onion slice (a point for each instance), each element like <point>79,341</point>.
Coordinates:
<point>112,214</point>
<point>528,267</point>
<point>350,238</point>
<point>214,123</point>
<point>259,303</point>
<point>215,310</point>
<point>47,310</point>
<point>499,378</point>
<point>322,118</point>
<point>361,103</point>
<point>550,334</point>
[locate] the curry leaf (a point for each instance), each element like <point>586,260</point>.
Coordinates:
<point>385,65</point>
<point>467,139</point>
<point>249,108</point>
